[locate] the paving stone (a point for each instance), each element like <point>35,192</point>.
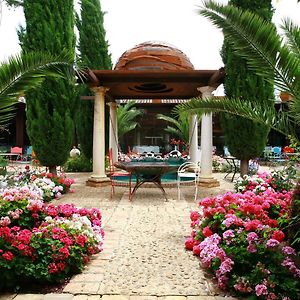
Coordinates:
<point>82,288</point>
<point>87,297</point>
<point>143,298</point>
<point>88,277</point>
<point>58,297</point>
<point>173,298</point>
<point>114,297</point>
<point>201,298</point>
<point>7,296</point>
<point>29,297</point>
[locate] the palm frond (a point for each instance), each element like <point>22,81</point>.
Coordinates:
<point>258,42</point>
<point>180,128</point>
<point>168,119</point>
<point>292,35</point>
<point>280,121</point>
<point>126,116</point>
<point>27,71</point>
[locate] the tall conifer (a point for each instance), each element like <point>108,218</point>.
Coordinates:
<point>93,49</point>
<point>50,28</point>
<point>245,139</point>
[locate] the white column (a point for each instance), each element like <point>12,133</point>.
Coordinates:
<point>193,138</point>
<point>206,137</point>
<point>113,130</point>
<point>99,135</point>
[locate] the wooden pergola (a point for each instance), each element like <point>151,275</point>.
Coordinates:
<point>160,84</point>
<point>111,85</point>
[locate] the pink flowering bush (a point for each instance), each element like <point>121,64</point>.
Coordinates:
<point>47,185</point>
<point>44,242</point>
<point>239,238</point>
<point>279,180</point>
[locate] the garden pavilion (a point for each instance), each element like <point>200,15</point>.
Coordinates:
<point>158,71</point>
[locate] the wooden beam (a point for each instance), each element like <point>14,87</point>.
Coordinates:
<point>217,78</point>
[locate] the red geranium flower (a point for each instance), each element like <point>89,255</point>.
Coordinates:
<point>278,235</point>
<point>207,231</point>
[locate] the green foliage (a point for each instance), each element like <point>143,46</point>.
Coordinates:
<point>294,226</point>
<point>93,53</point>
<point>240,82</point>
<point>50,26</point>
<point>179,127</point>
<point>78,164</point>
<point>27,71</point>
<point>126,118</point>
<point>3,165</point>
<point>294,143</point>
<point>268,54</point>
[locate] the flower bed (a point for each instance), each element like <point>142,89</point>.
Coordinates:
<point>43,242</point>
<point>45,184</point>
<point>239,237</point>
<point>279,180</point>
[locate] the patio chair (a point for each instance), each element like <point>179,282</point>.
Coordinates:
<point>188,171</point>
<point>17,153</point>
<point>118,178</point>
<point>28,155</point>
<point>277,156</point>
<point>268,153</point>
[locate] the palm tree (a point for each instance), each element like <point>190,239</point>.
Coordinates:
<point>275,58</point>
<point>26,71</point>
<point>126,118</point>
<point>180,128</point>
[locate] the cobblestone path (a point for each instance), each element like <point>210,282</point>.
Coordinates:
<point>144,251</point>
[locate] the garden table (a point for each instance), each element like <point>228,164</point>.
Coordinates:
<point>147,172</point>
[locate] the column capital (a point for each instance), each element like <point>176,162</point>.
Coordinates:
<point>112,104</point>
<point>206,91</point>
<point>100,89</point>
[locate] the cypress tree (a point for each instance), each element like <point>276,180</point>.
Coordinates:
<point>245,139</point>
<point>50,28</point>
<point>93,49</point>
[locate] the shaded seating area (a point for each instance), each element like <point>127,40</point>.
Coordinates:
<point>274,155</point>
<point>16,154</point>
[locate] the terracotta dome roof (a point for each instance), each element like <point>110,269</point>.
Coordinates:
<point>154,56</point>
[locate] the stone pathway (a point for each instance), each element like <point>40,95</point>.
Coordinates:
<point>144,256</point>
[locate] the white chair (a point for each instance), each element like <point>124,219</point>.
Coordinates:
<point>188,170</point>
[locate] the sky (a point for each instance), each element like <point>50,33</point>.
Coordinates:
<point>131,22</point>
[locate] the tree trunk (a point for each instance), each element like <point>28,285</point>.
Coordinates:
<point>52,169</point>
<point>244,168</point>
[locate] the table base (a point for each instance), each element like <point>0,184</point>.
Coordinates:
<point>141,179</point>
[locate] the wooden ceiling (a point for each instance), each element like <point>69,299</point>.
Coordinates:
<point>154,84</point>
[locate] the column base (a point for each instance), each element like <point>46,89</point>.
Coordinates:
<point>208,182</point>
<point>98,181</point>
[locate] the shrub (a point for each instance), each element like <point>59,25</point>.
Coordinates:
<point>278,180</point>
<point>45,184</point>
<point>239,237</point>
<point>78,164</point>
<point>44,242</point>
<point>294,225</point>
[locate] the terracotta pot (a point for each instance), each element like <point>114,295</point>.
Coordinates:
<point>285,96</point>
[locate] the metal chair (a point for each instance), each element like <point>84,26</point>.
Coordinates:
<point>188,170</point>
<point>18,151</point>
<point>28,155</point>
<point>116,176</point>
